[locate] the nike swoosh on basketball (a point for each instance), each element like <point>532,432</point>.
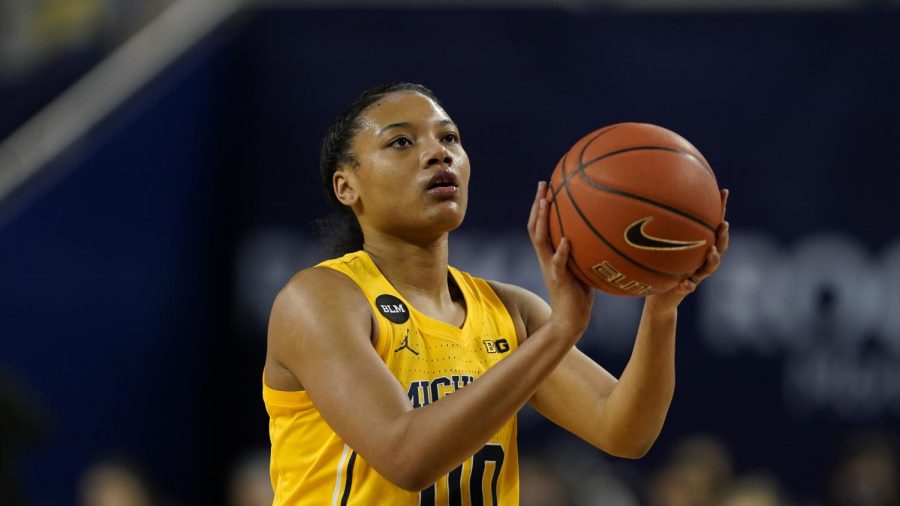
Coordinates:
<point>636,236</point>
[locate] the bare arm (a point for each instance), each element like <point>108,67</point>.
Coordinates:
<point>325,342</point>
<point>622,417</point>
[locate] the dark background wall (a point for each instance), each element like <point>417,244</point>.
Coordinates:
<point>135,290</point>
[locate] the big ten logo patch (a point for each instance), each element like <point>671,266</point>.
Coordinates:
<point>498,346</point>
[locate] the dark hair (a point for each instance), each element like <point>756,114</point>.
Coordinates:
<point>340,230</point>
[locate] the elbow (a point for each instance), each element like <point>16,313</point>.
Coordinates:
<point>410,481</point>
<point>632,450</point>
<point>407,473</point>
<point>626,444</point>
<point>414,483</point>
<point>632,453</point>
<point>403,462</point>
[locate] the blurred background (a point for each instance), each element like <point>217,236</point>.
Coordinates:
<point>159,183</point>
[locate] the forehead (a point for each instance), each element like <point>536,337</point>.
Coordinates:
<point>402,107</point>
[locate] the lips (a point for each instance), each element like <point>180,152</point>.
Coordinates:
<point>443,179</point>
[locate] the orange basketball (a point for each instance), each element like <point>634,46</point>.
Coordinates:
<point>639,205</point>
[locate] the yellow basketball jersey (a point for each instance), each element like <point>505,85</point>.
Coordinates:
<point>311,465</point>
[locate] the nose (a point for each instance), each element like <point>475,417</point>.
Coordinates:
<point>439,156</point>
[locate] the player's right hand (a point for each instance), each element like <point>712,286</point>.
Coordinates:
<point>570,299</point>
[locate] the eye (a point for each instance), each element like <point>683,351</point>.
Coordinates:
<point>451,137</point>
<point>401,142</point>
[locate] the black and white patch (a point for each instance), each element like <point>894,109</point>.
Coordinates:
<point>392,308</point>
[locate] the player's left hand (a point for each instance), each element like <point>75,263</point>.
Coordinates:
<point>669,300</point>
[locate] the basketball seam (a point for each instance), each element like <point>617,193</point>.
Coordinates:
<point>588,143</point>
<point>642,148</point>
<point>555,204</point>
<point>582,167</point>
<point>623,193</point>
<point>602,238</point>
<point>570,262</point>
<point>573,263</point>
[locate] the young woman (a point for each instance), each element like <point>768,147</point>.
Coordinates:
<point>393,378</point>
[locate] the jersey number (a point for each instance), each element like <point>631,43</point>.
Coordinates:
<point>489,453</point>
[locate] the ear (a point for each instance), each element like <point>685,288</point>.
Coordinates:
<point>344,187</point>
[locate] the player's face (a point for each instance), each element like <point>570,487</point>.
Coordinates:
<point>413,173</point>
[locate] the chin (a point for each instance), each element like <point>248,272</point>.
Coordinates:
<point>456,214</point>
<point>447,220</point>
<point>450,224</point>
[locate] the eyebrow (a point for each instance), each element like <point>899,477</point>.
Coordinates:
<point>443,122</point>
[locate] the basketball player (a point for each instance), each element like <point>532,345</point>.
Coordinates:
<point>393,378</point>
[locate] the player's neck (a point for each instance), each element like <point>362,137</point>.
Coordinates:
<point>418,268</point>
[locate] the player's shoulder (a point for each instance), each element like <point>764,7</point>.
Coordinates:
<point>318,277</point>
<point>518,300</point>
<point>512,294</point>
<point>528,310</point>
<point>319,292</point>
<point>319,310</point>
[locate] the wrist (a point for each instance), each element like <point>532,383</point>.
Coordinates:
<point>653,308</point>
<point>566,330</point>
